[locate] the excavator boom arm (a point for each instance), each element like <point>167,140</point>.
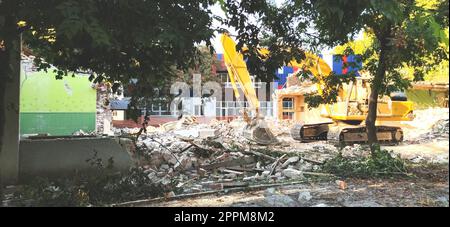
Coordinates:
<point>237,71</point>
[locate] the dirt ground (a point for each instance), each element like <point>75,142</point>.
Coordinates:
<point>429,187</point>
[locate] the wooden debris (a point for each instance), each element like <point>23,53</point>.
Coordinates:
<point>311,160</point>
<point>319,174</point>
<point>231,171</point>
<point>259,154</point>
<point>197,194</point>
<point>229,163</point>
<point>246,169</point>
<point>275,164</point>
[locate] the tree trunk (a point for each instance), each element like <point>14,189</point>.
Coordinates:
<point>4,66</point>
<point>373,98</point>
<point>2,124</point>
<point>9,81</point>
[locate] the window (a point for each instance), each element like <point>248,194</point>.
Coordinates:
<point>288,103</point>
<point>288,108</point>
<point>224,77</point>
<point>288,115</point>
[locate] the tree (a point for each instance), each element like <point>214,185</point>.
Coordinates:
<point>115,40</point>
<point>203,64</point>
<point>405,31</point>
<point>438,68</point>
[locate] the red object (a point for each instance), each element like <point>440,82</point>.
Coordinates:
<point>344,61</point>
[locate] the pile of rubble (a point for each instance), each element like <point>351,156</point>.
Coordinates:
<point>104,113</point>
<point>83,133</point>
<point>428,124</point>
<point>441,127</point>
<point>204,157</point>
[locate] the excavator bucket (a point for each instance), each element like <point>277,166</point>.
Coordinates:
<point>256,129</point>
<point>258,132</point>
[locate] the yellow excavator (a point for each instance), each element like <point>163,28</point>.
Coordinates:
<point>347,115</point>
<point>350,110</point>
<point>256,129</point>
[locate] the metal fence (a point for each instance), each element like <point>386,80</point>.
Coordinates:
<point>233,108</point>
<point>223,108</point>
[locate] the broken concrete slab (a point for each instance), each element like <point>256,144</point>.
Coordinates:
<point>304,196</point>
<point>321,205</point>
<point>280,201</point>
<point>230,163</point>
<point>293,173</point>
<point>202,133</point>
<point>169,157</point>
<point>185,163</point>
<point>290,161</point>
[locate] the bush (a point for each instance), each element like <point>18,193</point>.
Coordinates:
<point>381,163</point>
<point>99,188</point>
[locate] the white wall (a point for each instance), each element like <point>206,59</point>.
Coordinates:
<point>118,115</point>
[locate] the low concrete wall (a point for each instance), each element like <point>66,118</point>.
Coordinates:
<point>59,157</point>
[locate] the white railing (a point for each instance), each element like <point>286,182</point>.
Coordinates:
<point>256,85</point>
<point>223,108</point>
<point>233,108</point>
<point>160,110</point>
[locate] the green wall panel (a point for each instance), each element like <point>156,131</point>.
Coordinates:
<point>41,92</point>
<point>56,123</point>
<point>57,107</point>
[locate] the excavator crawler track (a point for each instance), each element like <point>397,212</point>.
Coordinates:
<point>310,132</point>
<point>346,135</point>
<point>385,135</point>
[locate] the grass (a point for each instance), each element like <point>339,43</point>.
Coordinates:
<point>381,163</point>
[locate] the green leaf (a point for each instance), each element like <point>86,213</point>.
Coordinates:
<point>389,8</point>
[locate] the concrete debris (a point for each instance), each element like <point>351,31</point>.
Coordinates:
<point>306,88</point>
<point>104,113</point>
<point>441,127</point>
<point>426,138</point>
<point>443,200</point>
<point>280,201</point>
<point>196,133</point>
<point>274,198</point>
<point>424,127</point>
<point>215,156</point>
<point>417,159</point>
<point>185,162</point>
<point>290,161</point>
<point>355,151</point>
<point>81,133</point>
<point>293,173</point>
<point>204,157</point>
<point>304,196</point>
